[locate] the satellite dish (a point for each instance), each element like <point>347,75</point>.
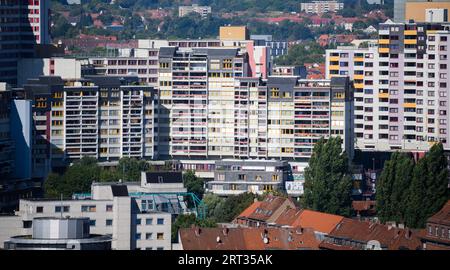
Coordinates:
<point>266,240</point>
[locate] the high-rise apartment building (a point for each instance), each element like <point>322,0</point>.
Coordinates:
<point>210,109</point>
<point>103,117</point>
<point>401,87</point>
<point>23,23</point>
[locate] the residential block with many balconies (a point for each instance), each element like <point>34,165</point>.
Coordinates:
<point>401,87</point>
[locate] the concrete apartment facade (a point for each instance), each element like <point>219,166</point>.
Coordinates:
<point>405,10</point>
<point>111,212</point>
<point>233,177</point>
<point>103,117</point>
<point>401,97</point>
<point>202,10</point>
<point>24,24</point>
<point>319,7</point>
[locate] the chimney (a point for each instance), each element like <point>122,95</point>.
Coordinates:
<point>408,233</point>
<point>197,231</point>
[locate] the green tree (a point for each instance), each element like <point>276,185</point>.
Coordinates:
<point>232,206</point>
<point>193,183</point>
<point>415,212</point>
<point>212,201</point>
<point>436,180</point>
<point>303,53</point>
<point>411,193</point>
<point>328,182</point>
<point>186,221</point>
<point>130,169</point>
<point>79,176</point>
<point>52,185</point>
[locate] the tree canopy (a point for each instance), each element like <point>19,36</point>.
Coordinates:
<point>328,181</point>
<point>409,192</point>
<point>79,177</point>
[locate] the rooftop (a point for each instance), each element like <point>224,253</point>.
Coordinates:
<point>248,239</point>
<point>388,236</point>
<point>443,216</point>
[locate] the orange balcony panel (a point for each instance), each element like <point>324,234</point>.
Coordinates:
<point>409,105</point>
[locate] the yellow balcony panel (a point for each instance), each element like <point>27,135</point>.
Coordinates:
<point>431,32</point>
<point>358,59</point>
<point>410,41</point>
<point>358,77</point>
<point>410,32</point>
<point>383,41</point>
<point>334,58</point>
<point>383,95</point>
<point>334,67</point>
<point>359,85</point>
<point>409,105</point>
<point>383,50</point>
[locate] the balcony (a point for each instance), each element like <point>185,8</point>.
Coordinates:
<point>383,41</point>
<point>383,50</point>
<point>409,105</point>
<point>410,33</point>
<point>334,58</point>
<point>410,41</point>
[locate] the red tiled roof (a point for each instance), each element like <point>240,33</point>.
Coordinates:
<point>265,209</point>
<point>247,239</point>
<point>321,222</point>
<point>443,216</point>
<point>362,231</point>
<point>247,212</point>
<point>363,205</point>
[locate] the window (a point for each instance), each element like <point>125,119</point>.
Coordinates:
<point>138,221</point>
<point>109,208</point>
<point>65,209</point>
<point>160,221</point>
<point>149,221</point>
<point>160,236</point>
<point>138,236</point>
<point>159,248</point>
<point>92,222</point>
<point>148,236</point>
<point>39,209</point>
<point>88,208</point>
<point>27,224</point>
<point>109,222</point>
